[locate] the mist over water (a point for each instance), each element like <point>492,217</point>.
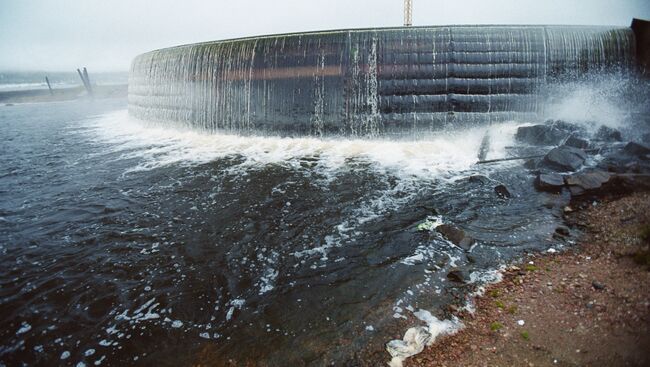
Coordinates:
<point>597,99</point>
<point>123,240</point>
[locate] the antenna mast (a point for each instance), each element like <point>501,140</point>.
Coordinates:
<point>408,13</point>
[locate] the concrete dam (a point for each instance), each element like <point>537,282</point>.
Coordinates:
<point>369,82</point>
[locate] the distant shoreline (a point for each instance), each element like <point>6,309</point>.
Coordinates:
<point>62,94</point>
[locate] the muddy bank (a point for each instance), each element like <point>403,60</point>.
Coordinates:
<point>64,94</point>
<point>588,306</point>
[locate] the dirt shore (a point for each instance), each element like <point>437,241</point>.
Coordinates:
<point>588,306</point>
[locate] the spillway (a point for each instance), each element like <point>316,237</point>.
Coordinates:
<point>368,82</point>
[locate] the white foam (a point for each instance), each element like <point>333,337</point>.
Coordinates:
<point>139,314</point>
<point>432,155</point>
<point>177,324</point>
<point>24,327</point>
<point>236,303</point>
<point>267,280</point>
<point>483,279</point>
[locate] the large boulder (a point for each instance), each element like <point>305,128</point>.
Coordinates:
<point>456,236</point>
<point>637,149</point>
<point>479,179</point>
<point>582,182</point>
<point>502,192</point>
<point>551,182</point>
<point>565,158</point>
<point>563,125</point>
<point>608,134</point>
<point>576,142</point>
<point>540,135</point>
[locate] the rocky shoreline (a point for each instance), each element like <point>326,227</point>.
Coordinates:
<point>588,305</point>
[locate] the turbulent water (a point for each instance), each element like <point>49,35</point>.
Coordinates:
<point>125,242</point>
<point>129,242</point>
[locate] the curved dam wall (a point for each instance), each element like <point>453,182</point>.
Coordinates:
<point>368,82</point>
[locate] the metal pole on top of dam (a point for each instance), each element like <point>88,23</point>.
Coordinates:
<point>408,13</point>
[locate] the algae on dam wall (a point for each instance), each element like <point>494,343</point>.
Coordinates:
<point>368,82</point>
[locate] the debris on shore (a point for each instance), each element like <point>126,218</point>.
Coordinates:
<point>586,304</point>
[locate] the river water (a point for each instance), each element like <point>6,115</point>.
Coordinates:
<point>127,243</point>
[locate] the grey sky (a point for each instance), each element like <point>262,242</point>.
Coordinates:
<point>105,35</point>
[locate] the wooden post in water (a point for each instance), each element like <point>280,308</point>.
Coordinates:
<point>90,89</point>
<point>48,85</point>
<point>82,78</point>
<point>86,84</point>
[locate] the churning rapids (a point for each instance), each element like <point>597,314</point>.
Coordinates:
<point>123,243</point>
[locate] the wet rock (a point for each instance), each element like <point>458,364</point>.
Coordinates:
<point>597,286</point>
<point>456,236</point>
<point>637,149</point>
<point>565,158</point>
<point>633,158</point>
<point>532,163</point>
<point>453,309</point>
<point>502,191</point>
<point>563,125</point>
<point>608,134</point>
<point>576,142</point>
<point>480,179</point>
<point>458,275</point>
<point>540,135</point>
<point>562,231</point>
<point>576,190</point>
<point>551,182</point>
<point>581,182</point>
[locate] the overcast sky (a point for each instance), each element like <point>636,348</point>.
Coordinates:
<point>105,35</point>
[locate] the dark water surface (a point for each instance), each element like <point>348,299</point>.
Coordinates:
<point>127,244</point>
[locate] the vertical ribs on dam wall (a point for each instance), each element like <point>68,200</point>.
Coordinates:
<point>367,82</point>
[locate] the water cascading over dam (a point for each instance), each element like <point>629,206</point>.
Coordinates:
<point>368,82</point>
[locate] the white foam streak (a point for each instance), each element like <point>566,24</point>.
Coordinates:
<point>430,156</point>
